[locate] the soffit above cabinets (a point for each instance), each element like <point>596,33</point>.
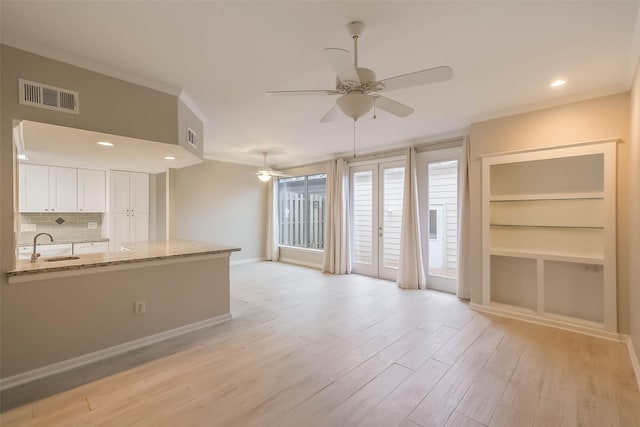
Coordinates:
<point>47,144</point>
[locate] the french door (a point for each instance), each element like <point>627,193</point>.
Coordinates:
<point>439,201</point>
<point>376,216</point>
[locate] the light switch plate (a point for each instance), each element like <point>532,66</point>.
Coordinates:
<point>27,227</point>
<point>92,225</point>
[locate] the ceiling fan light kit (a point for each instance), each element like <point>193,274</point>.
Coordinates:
<point>265,173</point>
<point>359,87</point>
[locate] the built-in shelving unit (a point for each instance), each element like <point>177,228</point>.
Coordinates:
<point>549,236</point>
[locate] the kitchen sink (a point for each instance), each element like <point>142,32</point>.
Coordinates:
<point>61,258</point>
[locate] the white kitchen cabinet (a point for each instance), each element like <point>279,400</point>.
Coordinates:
<point>549,236</point>
<point>34,188</point>
<point>47,189</point>
<point>128,208</point>
<point>63,189</point>
<point>91,190</point>
<point>90,248</point>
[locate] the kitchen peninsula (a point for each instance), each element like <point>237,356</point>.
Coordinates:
<point>98,305</point>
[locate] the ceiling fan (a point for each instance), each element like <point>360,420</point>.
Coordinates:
<point>265,174</point>
<point>358,88</point>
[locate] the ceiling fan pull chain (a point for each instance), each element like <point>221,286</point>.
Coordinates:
<point>374,107</point>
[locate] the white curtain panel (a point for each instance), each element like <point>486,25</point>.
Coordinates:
<point>410,271</point>
<point>464,224</point>
<point>272,250</point>
<point>337,258</point>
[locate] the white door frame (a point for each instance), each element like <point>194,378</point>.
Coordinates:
<point>423,160</point>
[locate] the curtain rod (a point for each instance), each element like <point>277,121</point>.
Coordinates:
<point>388,152</point>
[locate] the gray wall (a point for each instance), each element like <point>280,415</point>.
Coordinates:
<point>58,319</point>
<point>598,118</point>
<point>221,203</point>
<point>634,199</point>
<point>27,315</point>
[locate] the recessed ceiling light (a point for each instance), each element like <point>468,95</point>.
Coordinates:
<point>558,83</point>
<point>105,144</point>
<point>169,158</point>
<point>22,157</point>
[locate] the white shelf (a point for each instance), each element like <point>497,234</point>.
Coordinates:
<point>547,196</point>
<point>550,256</point>
<point>548,234</point>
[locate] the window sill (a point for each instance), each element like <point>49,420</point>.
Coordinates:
<point>299,249</point>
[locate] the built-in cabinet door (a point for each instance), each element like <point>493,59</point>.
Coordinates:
<point>139,231</point>
<point>63,189</point>
<point>119,230</point>
<point>34,188</point>
<point>118,192</point>
<point>91,190</point>
<point>139,192</point>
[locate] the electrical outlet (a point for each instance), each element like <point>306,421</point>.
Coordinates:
<point>139,307</point>
<point>92,225</point>
<point>27,227</point>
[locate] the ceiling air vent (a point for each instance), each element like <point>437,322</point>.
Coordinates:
<point>49,97</point>
<point>192,138</point>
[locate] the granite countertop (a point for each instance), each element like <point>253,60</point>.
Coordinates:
<point>137,252</point>
<point>45,241</point>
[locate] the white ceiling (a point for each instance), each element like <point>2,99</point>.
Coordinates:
<point>225,55</point>
<point>47,144</point>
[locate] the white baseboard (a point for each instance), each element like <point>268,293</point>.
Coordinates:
<point>246,261</point>
<point>586,330</point>
<point>634,360</point>
<point>302,263</point>
<point>65,365</point>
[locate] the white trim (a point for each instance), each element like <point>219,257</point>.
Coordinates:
<point>302,263</point>
<point>558,102</point>
<point>189,102</point>
<point>553,147</point>
<point>90,269</point>
<point>246,261</point>
<point>533,318</point>
<point>634,359</point>
<point>299,249</point>
<point>86,359</point>
<point>87,64</point>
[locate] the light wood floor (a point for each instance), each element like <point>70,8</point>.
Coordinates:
<point>307,349</point>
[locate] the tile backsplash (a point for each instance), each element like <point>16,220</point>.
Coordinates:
<point>72,226</point>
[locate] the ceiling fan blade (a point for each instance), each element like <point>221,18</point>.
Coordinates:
<point>331,115</point>
<point>303,92</point>
<point>432,75</point>
<point>342,64</point>
<point>393,107</point>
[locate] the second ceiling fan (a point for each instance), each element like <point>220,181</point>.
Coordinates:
<point>358,86</point>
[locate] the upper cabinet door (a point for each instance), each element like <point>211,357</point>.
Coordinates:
<point>139,197</point>
<point>34,188</point>
<point>118,191</point>
<point>63,189</point>
<point>91,190</point>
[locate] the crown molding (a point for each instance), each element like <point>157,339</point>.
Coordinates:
<point>612,90</point>
<point>58,55</point>
<point>189,102</point>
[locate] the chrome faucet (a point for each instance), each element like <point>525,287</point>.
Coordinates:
<point>35,255</point>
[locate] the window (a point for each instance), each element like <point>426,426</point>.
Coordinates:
<point>433,224</point>
<point>301,211</point>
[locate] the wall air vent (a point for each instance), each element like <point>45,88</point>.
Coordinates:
<point>49,97</point>
<point>192,138</point>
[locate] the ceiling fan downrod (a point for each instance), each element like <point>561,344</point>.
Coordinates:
<point>355,29</point>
